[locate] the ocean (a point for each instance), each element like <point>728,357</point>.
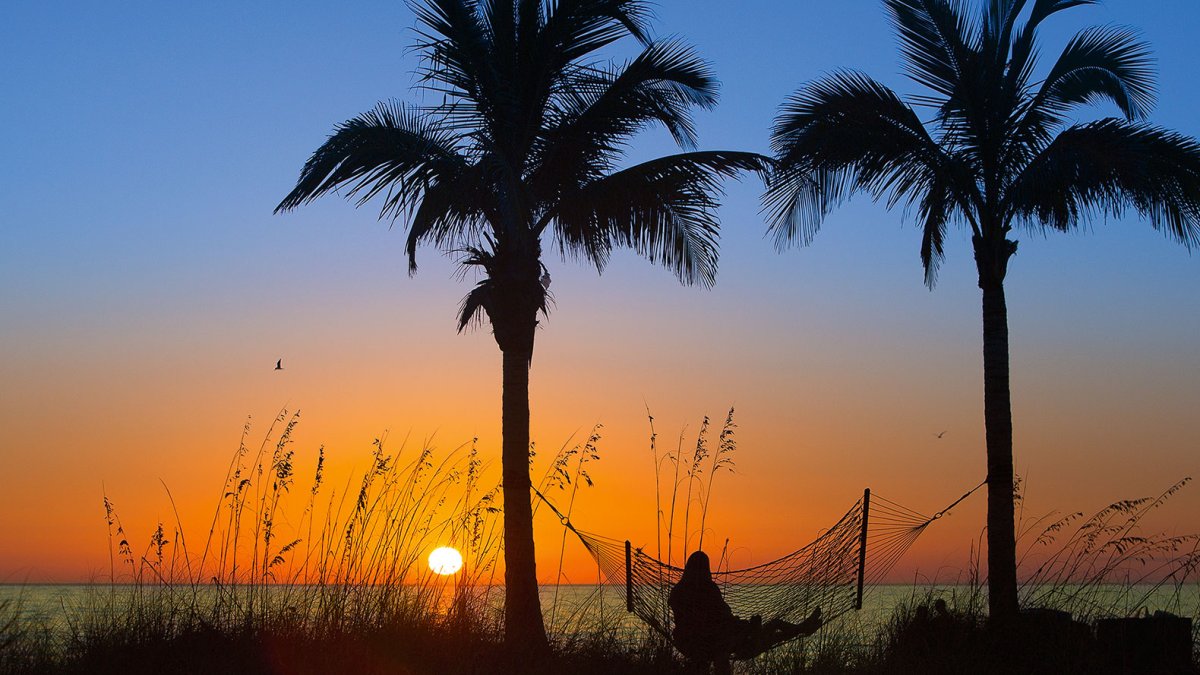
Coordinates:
<point>580,608</point>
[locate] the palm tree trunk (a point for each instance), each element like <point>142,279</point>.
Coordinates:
<point>524,631</point>
<point>997,413</point>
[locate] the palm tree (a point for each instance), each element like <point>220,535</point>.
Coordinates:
<point>523,149</point>
<point>997,148</point>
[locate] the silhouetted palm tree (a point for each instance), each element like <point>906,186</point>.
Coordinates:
<point>996,149</point>
<point>524,147</point>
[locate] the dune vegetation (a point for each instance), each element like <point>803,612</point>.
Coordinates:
<point>296,577</point>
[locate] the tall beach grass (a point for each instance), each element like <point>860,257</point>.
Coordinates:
<point>293,574</point>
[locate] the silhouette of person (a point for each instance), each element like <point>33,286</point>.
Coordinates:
<point>706,629</point>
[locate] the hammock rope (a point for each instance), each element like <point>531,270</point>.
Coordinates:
<point>828,573</point>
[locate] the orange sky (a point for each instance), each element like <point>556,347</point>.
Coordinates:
<point>823,410</point>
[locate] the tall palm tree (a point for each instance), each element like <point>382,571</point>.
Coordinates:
<point>523,149</point>
<point>996,148</point>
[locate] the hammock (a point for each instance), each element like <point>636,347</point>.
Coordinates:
<point>828,573</point>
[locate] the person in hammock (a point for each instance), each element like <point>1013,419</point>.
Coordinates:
<point>706,629</point>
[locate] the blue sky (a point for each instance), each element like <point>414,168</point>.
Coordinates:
<point>148,143</point>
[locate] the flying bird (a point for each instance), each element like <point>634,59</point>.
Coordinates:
<point>941,434</point>
<point>279,364</point>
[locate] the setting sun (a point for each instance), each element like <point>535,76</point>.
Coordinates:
<point>445,560</point>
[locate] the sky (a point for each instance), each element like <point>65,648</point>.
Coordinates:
<point>146,291</point>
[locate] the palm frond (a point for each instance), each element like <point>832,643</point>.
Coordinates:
<point>458,61</point>
<point>1111,165</point>
<point>499,21</point>
<point>595,118</point>
<point>1102,63</point>
<point>475,305</point>
<point>1098,64</point>
<point>664,209</point>
<point>935,41</point>
<point>457,208</point>
<point>390,149</point>
<point>842,134</point>
<point>480,302</point>
<point>1000,18</point>
<point>798,199</point>
<point>1043,9</point>
<point>935,210</point>
<point>575,28</point>
<point>1023,52</point>
<point>661,84</point>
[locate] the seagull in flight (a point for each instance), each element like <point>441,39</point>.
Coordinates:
<point>279,364</point>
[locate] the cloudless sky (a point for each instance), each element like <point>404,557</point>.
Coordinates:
<point>146,291</point>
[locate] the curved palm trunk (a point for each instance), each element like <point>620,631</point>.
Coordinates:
<point>524,630</point>
<point>997,413</point>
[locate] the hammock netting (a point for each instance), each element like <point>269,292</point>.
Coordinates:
<point>829,573</point>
